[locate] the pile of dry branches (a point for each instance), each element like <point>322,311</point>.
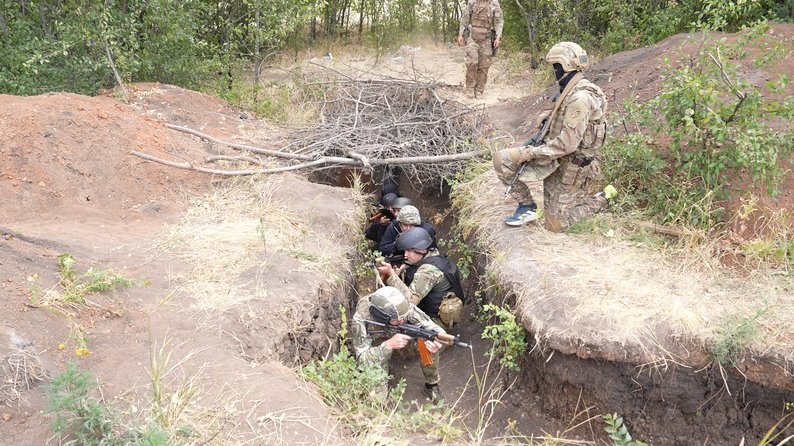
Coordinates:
<point>364,124</point>
<point>396,122</point>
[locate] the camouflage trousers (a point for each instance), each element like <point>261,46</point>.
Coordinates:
<point>527,188</point>
<point>478,61</point>
<point>430,372</point>
<point>571,194</point>
<point>565,196</point>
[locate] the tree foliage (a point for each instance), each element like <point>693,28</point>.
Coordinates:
<point>67,45</point>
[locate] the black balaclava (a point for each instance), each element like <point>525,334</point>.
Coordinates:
<point>562,76</point>
<point>558,71</point>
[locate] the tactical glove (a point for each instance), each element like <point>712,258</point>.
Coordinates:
<point>517,155</point>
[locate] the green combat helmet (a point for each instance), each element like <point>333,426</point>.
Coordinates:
<point>570,55</point>
<point>414,238</point>
<point>410,216</point>
<point>388,304</point>
<point>401,202</point>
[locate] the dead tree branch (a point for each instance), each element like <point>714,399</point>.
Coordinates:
<point>365,124</point>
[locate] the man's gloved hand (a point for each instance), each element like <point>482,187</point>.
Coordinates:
<point>517,155</point>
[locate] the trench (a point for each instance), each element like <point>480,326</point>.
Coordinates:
<point>564,395</point>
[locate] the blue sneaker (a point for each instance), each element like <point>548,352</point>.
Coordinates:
<point>523,214</point>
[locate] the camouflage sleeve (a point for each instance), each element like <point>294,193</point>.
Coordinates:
<point>419,317</point>
<point>464,18</point>
<point>576,115</point>
<point>426,277</point>
<point>499,18</point>
<point>362,344</point>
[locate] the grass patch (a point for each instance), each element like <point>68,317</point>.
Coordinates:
<point>83,419</point>
<point>73,288</point>
<point>235,232</point>
<point>734,336</point>
<point>358,396</point>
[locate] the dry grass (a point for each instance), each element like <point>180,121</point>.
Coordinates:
<point>623,301</point>
<point>20,371</point>
<point>236,230</point>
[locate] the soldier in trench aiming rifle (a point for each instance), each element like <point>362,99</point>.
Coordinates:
<point>554,173</point>
<point>378,315</point>
<point>428,279</point>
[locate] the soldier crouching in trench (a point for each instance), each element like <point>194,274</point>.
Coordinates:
<point>387,305</point>
<point>554,172</point>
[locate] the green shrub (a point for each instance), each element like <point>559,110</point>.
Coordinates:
<point>618,432</point>
<point>508,336</point>
<point>714,126</point>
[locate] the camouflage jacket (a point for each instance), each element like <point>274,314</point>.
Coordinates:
<point>362,336</point>
<point>578,127</point>
<point>482,16</point>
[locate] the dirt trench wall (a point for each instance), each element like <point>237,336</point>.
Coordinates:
<point>629,329</point>
<point>306,332</point>
<point>676,406</point>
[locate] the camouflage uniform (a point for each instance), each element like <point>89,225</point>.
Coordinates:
<point>563,171</point>
<point>480,17</point>
<point>379,355</point>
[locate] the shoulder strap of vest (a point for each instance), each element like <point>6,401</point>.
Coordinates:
<point>450,271</point>
<point>558,103</point>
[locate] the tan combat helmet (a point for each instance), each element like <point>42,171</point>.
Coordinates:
<point>570,55</point>
<point>410,216</point>
<point>390,302</point>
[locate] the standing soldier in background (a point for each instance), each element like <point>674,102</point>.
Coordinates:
<point>481,24</point>
<point>555,171</point>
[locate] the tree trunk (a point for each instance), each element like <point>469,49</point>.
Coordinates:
<point>361,10</point>
<point>529,22</point>
<point>3,24</point>
<point>257,62</point>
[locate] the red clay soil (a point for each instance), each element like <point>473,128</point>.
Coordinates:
<point>69,184</point>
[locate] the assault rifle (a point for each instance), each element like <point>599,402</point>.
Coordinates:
<point>394,260</point>
<point>417,332</point>
<point>382,212</point>
<point>534,141</point>
<point>494,48</point>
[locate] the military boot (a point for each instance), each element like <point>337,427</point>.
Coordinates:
<point>433,393</point>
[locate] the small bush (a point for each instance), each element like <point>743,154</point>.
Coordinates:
<point>736,333</point>
<point>618,432</point>
<point>81,419</point>
<point>707,136</point>
<point>508,336</point>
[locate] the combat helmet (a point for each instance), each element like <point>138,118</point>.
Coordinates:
<point>388,304</point>
<point>570,55</point>
<point>401,202</point>
<point>414,238</point>
<point>387,200</point>
<point>410,216</point>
